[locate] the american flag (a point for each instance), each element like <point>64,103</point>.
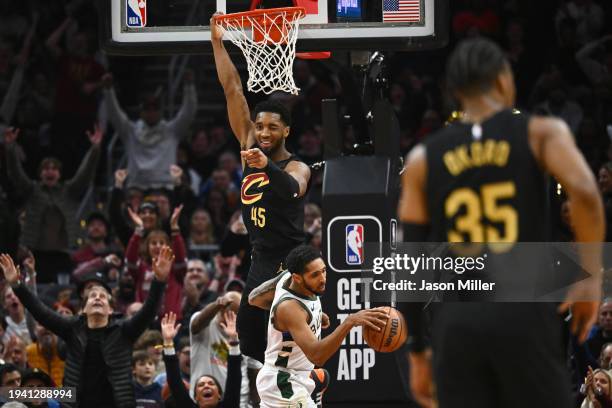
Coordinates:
<point>401,11</point>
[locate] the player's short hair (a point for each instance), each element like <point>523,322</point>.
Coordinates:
<point>141,355</point>
<point>473,66</point>
<point>301,256</point>
<point>274,107</point>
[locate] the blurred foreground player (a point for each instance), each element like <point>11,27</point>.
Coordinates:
<point>294,330</point>
<point>273,186</point>
<point>505,354</point>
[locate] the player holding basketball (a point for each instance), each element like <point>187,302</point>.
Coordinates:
<point>294,330</point>
<point>273,187</point>
<point>504,354</point>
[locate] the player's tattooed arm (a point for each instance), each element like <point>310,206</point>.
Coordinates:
<point>263,295</point>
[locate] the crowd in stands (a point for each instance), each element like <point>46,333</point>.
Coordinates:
<point>61,101</point>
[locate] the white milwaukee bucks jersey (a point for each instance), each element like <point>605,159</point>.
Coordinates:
<point>282,351</point>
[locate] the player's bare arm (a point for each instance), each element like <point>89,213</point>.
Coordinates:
<point>553,146</point>
<point>413,202</point>
<point>413,209</point>
<point>291,316</point>
<point>263,295</point>
<point>237,108</point>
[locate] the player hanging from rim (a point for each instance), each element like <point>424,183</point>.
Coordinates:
<point>441,201</point>
<point>294,330</point>
<point>272,193</point>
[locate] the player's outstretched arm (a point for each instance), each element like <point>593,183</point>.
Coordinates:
<point>263,295</point>
<point>237,107</point>
<point>553,146</point>
<point>319,351</point>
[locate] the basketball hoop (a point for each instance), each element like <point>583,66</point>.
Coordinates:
<point>267,39</point>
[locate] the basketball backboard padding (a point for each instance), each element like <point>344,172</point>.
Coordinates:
<point>324,29</point>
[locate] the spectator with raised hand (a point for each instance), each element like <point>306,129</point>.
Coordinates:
<point>76,96</point>
<point>597,389</point>
<point>50,227</point>
<point>195,287</point>
<point>139,264</point>
<point>210,341</point>
<point>151,141</point>
<point>208,392</point>
<point>97,253</point>
<point>99,347</point>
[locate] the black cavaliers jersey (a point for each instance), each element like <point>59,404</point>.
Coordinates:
<point>275,224</point>
<point>484,184</point>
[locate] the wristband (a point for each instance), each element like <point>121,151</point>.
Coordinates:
<point>234,350</point>
<point>169,352</point>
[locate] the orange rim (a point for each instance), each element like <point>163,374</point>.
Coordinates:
<point>243,17</point>
<point>313,55</point>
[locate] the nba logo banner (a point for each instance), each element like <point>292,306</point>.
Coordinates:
<point>136,13</point>
<point>354,244</point>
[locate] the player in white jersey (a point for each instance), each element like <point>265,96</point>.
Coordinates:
<point>294,330</point>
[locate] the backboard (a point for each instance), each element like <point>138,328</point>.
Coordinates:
<point>154,27</point>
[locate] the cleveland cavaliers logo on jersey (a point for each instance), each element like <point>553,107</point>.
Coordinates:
<point>255,180</point>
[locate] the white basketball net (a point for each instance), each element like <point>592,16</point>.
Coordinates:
<point>268,44</point>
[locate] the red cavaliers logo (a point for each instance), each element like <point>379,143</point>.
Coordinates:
<point>259,179</point>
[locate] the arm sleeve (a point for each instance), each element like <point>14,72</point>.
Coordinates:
<point>281,182</point>
<point>85,174</point>
<point>186,114</point>
<point>231,399</point>
<point>135,326</point>
<point>414,311</point>
<point>45,316</point>
<point>178,390</point>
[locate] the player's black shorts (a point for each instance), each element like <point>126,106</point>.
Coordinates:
<point>502,355</point>
<point>252,322</point>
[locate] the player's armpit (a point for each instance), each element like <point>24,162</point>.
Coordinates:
<point>413,201</point>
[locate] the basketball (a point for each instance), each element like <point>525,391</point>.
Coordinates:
<point>391,337</point>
